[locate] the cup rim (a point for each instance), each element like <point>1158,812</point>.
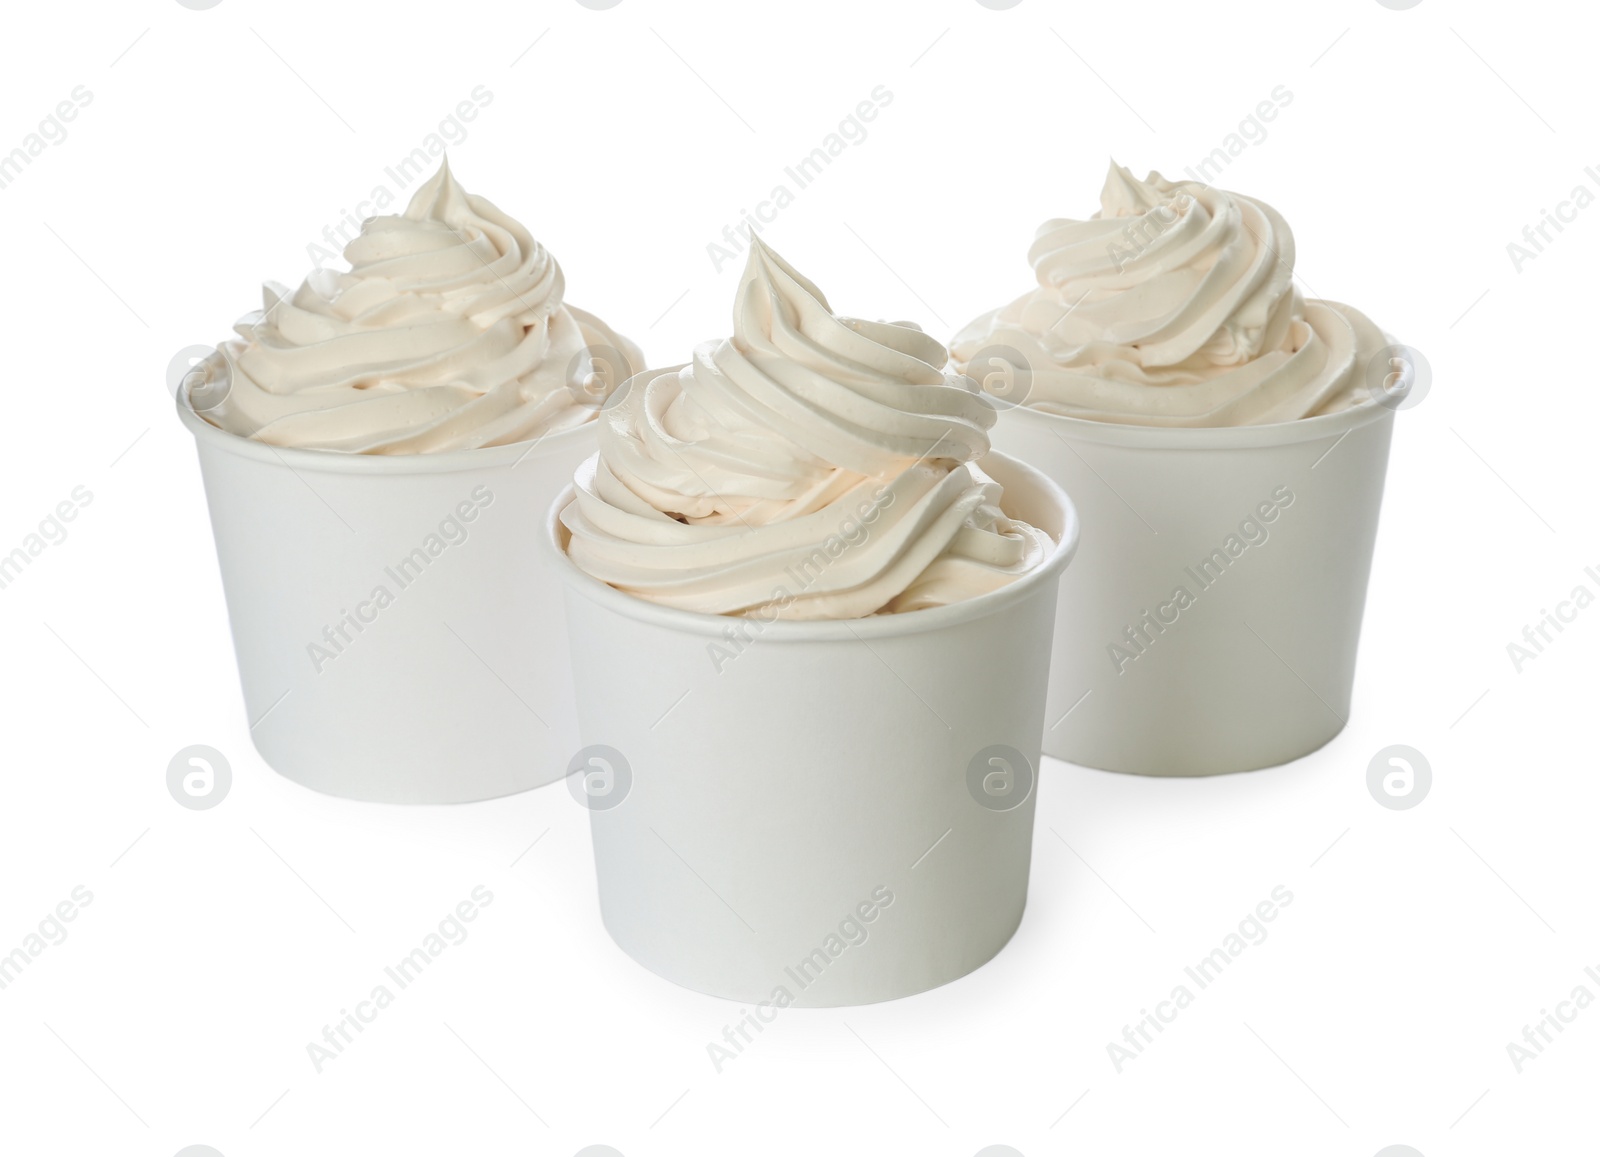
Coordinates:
<point>344,462</point>
<point>1203,437</point>
<point>925,621</point>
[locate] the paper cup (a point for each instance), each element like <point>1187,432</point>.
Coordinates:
<point>1210,622</point>
<point>400,637</point>
<point>815,813</point>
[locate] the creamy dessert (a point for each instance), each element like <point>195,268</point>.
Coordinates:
<point>809,466</point>
<point>448,332</point>
<point>1174,305</point>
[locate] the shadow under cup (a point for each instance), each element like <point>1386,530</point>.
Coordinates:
<point>399,636</point>
<point>1211,619</point>
<point>816,813</point>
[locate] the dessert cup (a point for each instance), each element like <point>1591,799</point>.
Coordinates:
<point>1267,530</point>
<point>815,813</point>
<point>399,636</point>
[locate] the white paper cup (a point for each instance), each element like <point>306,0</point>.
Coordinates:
<point>453,685</point>
<point>1256,670</point>
<point>801,819</point>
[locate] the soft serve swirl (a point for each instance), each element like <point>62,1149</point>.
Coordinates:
<point>808,467</point>
<point>1173,306</point>
<point>449,332</point>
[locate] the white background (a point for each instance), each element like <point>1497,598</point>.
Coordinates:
<point>217,146</point>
